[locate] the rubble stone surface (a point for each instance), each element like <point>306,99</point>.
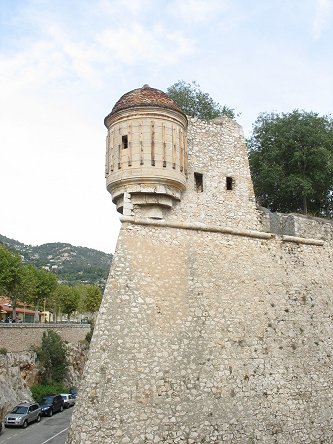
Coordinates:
<point>216,322</point>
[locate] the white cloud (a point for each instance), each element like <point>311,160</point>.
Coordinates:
<point>52,168</point>
<point>140,44</point>
<point>64,64</point>
<point>322,18</point>
<point>56,52</point>
<point>54,56</point>
<point>198,11</point>
<point>125,8</point>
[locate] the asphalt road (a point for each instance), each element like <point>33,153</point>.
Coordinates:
<point>49,431</point>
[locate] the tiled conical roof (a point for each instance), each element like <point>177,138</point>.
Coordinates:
<point>145,96</point>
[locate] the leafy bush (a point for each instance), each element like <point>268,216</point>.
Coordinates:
<point>195,102</point>
<point>40,390</point>
<point>52,356</point>
<point>3,351</point>
<point>89,334</point>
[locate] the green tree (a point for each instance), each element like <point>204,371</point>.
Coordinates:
<point>66,299</point>
<point>90,298</point>
<point>12,281</point>
<point>28,282</point>
<point>195,102</point>
<point>52,355</point>
<point>45,285</point>
<point>291,160</point>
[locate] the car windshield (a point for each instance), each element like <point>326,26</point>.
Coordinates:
<point>46,401</point>
<point>21,410</point>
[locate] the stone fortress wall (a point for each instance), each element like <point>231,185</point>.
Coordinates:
<point>216,322</point>
<point>299,225</point>
<point>217,151</point>
<point>22,337</point>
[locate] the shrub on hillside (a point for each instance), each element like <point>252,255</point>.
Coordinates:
<point>40,390</point>
<point>89,334</point>
<point>52,356</point>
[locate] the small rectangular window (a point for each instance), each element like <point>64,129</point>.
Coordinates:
<point>124,142</point>
<point>198,182</point>
<point>229,183</point>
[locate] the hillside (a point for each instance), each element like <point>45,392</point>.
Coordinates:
<point>73,265</point>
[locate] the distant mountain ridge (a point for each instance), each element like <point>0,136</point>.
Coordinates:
<point>73,265</point>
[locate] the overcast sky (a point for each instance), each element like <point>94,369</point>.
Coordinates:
<point>64,63</point>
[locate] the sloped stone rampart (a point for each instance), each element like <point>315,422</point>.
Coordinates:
<point>215,338</point>
<point>21,337</point>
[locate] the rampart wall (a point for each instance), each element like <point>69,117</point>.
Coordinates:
<point>299,225</point>
<point>235,335</point>
<point>216,321</point>
<point>21,337</point>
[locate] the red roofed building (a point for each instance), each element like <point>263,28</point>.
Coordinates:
<point>24,312</point>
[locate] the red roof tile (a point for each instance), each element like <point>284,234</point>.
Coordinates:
<point>145,96</point>
<point>18,310</point>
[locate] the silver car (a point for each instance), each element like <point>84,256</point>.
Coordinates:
<point>69,401</point>
<point>23,414</point>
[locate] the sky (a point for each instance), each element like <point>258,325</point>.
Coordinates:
<point>64,64</point>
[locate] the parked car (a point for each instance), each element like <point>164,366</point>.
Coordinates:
<point>23,414</point>
<point>73,392</point>
<point>51,404</point>
<point>69,400</point>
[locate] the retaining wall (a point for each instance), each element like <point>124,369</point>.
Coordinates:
<point>21,337</point>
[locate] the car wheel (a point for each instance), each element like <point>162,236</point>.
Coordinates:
<point>50,412</point>
<point>25,424</point>
<point>38,418</point>
<point>61,408</point>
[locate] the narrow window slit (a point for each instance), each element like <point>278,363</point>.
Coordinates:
<point>124,142</point>
<point>198,182</point>
<point>229,183</point>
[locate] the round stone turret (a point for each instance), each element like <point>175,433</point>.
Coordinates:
<point>146,157</point>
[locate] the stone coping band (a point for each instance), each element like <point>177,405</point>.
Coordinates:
<point>217,229</point>
<point>48,326</point>
<point>302,240</point>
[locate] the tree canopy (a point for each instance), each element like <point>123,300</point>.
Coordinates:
<point>52,355</point>
<point>12,280</point>
<point>291,160</point>
<point>195,102</point>
<point>36,286</point>
<point>43,283</point>
<point>67,298</point>
<point>90,298</point>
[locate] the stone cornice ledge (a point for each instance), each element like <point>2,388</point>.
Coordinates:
<point>302,240</point>
<point>196,227</point>
<point>217,229</point>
